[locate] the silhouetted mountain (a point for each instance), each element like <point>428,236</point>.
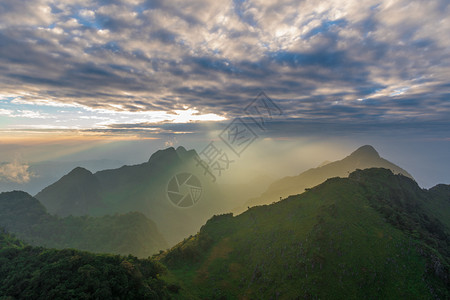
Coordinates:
<point>130,233</point>
<point>76,193</point>
<point>142,188</point>
<point>45,173</point>
<point>373,235</point>
<point>363,158</point>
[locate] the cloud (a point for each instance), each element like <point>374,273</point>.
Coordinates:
<point>340,60</point>
<point>5,112</point>
<point>171,142</point>
<point>15,172</point>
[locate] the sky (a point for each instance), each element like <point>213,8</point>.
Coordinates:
<point>120,79</point>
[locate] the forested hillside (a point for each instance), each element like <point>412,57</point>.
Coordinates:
<point>28,272</point>
<point>130,233</point>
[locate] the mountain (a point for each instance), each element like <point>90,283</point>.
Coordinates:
<point>77,194</point>
<point>372,235</point>
<point>44,173</point>
<point>143,188</point>
<point>363,158</point>
<point>38,273</point>
<point>130,233</point>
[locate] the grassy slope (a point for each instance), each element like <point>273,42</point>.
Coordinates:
<point>329,242</point>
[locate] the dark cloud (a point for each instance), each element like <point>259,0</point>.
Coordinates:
<point>380,61</point>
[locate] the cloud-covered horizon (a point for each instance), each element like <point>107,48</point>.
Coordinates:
<point>94,64</point>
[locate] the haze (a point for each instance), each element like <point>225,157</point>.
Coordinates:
<point>90,80</point>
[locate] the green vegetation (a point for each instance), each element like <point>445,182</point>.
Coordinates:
<point>130,233</point>
<point>409,208</point>
<point>373,235</point>
<point>36,273</point>
<point>362,158</point>
<point>334,241</point>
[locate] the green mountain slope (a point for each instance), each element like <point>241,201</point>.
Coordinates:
<point>141,188</point>
<point>36,273</point>
<point>130,233</point>
<point>374,235</point>
<point>362,158</point>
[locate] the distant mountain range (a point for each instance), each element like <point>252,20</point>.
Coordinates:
<point>130,233</point>
<point>363,158</point>
<point>44,173</point>
<point>142,188</point>
<point>373,235</point>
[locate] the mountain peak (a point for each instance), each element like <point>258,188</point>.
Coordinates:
<point>170,153</point>
<point>365,151</point>
<point>186,154</point>
<point>160,154</point>
<point>181,149</point>
<point>16,194</point>
<point>80,171</point>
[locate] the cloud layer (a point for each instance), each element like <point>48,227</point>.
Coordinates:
<point>15,172</point>
<point>347,60</point>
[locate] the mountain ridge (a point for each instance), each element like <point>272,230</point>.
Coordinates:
<point>364,157</point>
<point>371,235</point>
<point>142,187</point>
<point>130,233</point>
